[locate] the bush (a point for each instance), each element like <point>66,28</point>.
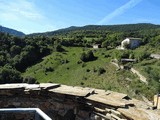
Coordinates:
<point>89,56</point>
<point>49,69</point>
<point>82,83</point>
<point>30,80</point>
<point>79,62</point>
<point>67,68</point>
<point>59,48</point>
<point>64,61</point>
<point>10,75</point>
<point>88,70</point>
<point>83,57</point>
<point>83,65</point>
<point>101,71</point>
<point>142,55</point>
<point>84,78</point>
<point>94,69</point>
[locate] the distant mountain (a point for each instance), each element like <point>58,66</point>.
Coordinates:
<point>11,31</point>
<point>114,28</point>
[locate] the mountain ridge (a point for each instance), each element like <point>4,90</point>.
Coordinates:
<point>11,31</point>
<point>115,28</point>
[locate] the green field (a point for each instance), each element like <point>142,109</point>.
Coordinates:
<point>67,70</point>
<point>41,57</point>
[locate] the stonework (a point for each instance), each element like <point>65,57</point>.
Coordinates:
<point>62,102</point>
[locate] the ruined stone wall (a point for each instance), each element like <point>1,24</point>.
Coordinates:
<point>62,102</point>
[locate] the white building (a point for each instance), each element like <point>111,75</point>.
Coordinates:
<point>156,56</point>
<point>130,43</point>
<point>96,46</point>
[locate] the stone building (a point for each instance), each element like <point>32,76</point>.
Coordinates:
<point>130,43</point>
<point>156,56</point>
<point>96,46</point>
<point>62,102</point>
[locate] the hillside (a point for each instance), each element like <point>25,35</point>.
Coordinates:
<point>11,31</point>
<point>100,28</point>
<point>68,58</point>
<point>66,68</point>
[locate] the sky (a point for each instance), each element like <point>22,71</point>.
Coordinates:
<point>32,16</point>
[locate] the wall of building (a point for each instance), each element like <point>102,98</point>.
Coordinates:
<point>62,102</point>
<point>133,43</point>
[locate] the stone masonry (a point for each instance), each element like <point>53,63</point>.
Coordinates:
<point>62,102</point>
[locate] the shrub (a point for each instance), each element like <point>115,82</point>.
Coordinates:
<point>101,71</point>
<point>59,48</point>
<point>83,57</point>
<point>9,75</point>
<point>84,78</point>
<point>30,80</point>
<point>67,68</point>
<point>79,62</point>
<point>142,55</point>
<point>89,56</point>
<point>106,56</point>
<point>94,69</point>
<point>64,61</point>
<point>82,83</point>
<point>49,69</point>
<point>88,70</point>
<point>83,65</point>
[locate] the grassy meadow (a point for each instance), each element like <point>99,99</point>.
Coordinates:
<point>66,68</point>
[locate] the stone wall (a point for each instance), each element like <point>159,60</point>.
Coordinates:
<point>62,102</point>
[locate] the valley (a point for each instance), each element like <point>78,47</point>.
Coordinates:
<point>67,57</point>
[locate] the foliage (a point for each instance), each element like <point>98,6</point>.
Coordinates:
<point>89,56</point>
<point>58,57</point>
<point>49,69</point>
<point>30,80</point>
<point>101,71</point>
<point>141,55</point>
<point>59,48</point>
<point>9,75</point>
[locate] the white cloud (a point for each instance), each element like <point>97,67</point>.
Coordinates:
<point>119,11</point>
<point>23,15</point>
<point>18,9</point>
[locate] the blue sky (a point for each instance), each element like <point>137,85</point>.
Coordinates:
<point>30,16</point>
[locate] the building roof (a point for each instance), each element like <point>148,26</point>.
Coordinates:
<point>132,38</point>
<point>128,60</point>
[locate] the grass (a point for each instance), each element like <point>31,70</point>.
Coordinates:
<point>67,69</point>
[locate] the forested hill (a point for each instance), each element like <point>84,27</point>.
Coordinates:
<point>102,28</point>
<point>11,31</point>
<point>68,57</point>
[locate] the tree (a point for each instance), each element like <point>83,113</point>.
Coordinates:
<point>14,50</point>
<point>89,56</point>
<point>9,75</point>
<point>59,48</point>
<point>105,44</point>
<point>83,57</point>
